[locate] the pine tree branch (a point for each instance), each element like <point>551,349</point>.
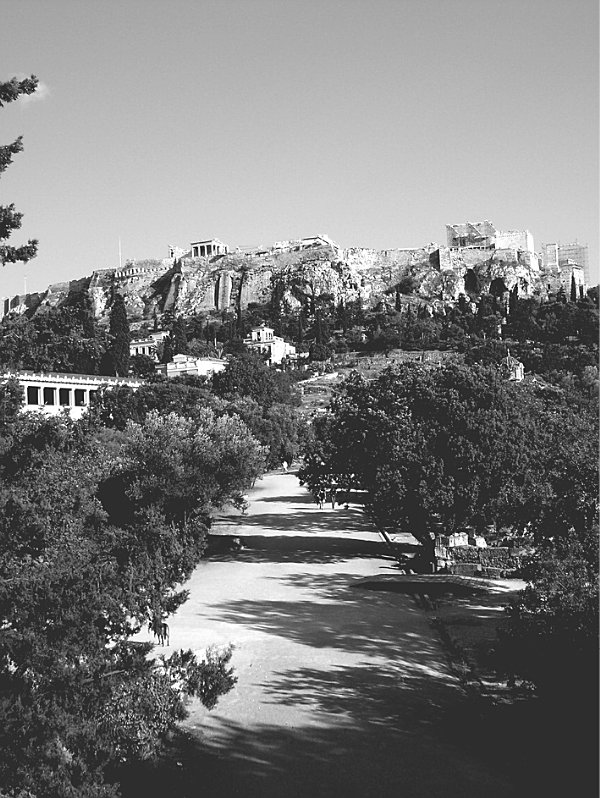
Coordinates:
<point>12,89</point>
<point>20,254</point>
<point>8,150</point>
<point>10,219</point>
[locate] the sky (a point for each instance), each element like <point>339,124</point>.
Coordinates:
<point>376,122</point>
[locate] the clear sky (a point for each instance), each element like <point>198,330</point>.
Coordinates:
<point>374,121</point>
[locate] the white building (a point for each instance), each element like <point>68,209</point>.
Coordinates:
<point>148,345</point>
<point>143,346</point>
<point>263,341</point>
<point>208,248</point>
<point>187,364</point>
<point>52,393</point>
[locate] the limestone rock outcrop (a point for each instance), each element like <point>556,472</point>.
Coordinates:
<point>300,274</point>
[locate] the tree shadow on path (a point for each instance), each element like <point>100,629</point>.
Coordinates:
<point>342,521</point>
<point>335,616</point>
<point>265,761</point>
<point>293,548</point>
<point>391,723</point>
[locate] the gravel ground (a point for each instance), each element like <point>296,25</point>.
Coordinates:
<point>343,689</point>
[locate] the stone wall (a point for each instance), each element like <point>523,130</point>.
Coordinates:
<point>514,239</point>
<point>495,561</point>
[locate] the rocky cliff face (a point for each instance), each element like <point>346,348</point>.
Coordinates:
<point>300,275</point>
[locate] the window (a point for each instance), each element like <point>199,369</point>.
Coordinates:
<point>33,395</point>
<point>79,397</point>
<point>64,396</point>
<point>49,396</point>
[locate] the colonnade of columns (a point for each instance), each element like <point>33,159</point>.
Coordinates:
<point>55,396</point>
<point>143,349</point>
<point>207,249</point>
<point>53,393</point>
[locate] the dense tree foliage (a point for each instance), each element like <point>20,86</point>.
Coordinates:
<point>142,366</point>
<point>115,407</point>
<point>11,400</point>
<point>458,442</point>
<point>462,445</point>
<point>264,399</point>
<point>276,426</point>
<point>10,218</point>
<point>58,339</point>
<point>247,375</point>
<point>98,529</point>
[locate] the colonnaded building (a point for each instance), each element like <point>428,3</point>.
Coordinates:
<point>52,393</point>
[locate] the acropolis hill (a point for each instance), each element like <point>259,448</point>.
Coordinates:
<point>208,277</point>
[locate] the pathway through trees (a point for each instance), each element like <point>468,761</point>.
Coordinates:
<point>343,690</point>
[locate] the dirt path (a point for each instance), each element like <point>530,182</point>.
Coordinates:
<point>342,691</point>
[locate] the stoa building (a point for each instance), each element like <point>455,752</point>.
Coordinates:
<point>52,393</point>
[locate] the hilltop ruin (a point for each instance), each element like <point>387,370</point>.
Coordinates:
<point>209,277</point>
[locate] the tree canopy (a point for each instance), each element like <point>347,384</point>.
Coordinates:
<point>275,424</point>
<point>59,339</point>
<point>10,218</point>
<point>246,375</point>
<point>460,443</point>
<point>98,530</point>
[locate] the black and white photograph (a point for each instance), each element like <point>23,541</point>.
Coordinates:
<point>299,398</point>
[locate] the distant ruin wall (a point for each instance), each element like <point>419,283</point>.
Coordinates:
<point>195,285</point>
